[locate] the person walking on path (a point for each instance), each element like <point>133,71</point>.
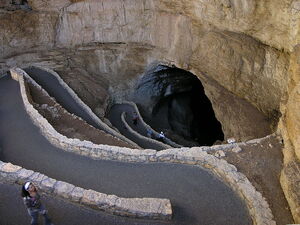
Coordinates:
<point>161,136</point>
<point>149,133</point>
<point>135,118</point>
<point>32,200</point>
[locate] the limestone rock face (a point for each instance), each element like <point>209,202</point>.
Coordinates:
<point>274,22</point>
<point>104,21</point>
<point>247,68</point>
<point>293,119</point>
<point>290,129</point>
<point>289,122</point>
<point>116,40</point>
<point>53,5</point>
<point>290,125</point>
<point>289,179</point>
<point>238,117</point>
<point>23,31</point>
<point>238,62</point>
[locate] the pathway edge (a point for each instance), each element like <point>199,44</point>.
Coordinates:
<point>148,208</point>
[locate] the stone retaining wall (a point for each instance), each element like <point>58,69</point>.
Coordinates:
<point>168,141</point>
<point>258,207</point>
<point>141,137</point>
<point>86,108</point>
<point>235,146</point>
<point>151,208</point>
<point>85,148</point>
<point>28,79</point>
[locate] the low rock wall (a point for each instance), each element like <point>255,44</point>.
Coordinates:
<point>235,146</point>
<point>151,208</point>
<point>141,137</point>
<point>86,108</point>
<point>85,148</point>
<point>258,207</point>
<point>28,79</point>
<point>168,141</point>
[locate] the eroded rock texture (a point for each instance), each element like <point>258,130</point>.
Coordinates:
<point>246,47</point>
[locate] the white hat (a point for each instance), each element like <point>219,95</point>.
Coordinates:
<point>26,186</point>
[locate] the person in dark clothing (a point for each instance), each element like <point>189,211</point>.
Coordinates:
<point>135,118</point>
<point>161,137</point>
<point>149,133</point>
<point>32,201</point>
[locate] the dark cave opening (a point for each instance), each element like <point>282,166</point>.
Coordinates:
<point>173,100</point>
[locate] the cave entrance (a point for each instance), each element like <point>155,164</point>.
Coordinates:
<point>173,100</point>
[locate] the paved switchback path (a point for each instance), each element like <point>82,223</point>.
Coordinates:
<point>197,196</point>
<point>62,96</point>
<point>114,117</point>
<point>129,109</point>
<point>13,212</point>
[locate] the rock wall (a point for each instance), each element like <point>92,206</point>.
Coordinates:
<point>244,66</point>
<point>153,208</point>
<point>25,31</point>
<point>236,60</point>
<point>273,22</point>
<point>290,124</point>
<point>289,127</point>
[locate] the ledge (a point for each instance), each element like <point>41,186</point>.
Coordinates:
<point>150,208</point>
<point>258,207</point>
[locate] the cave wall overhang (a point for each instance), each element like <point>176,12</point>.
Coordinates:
<point>114,42</point>
<point>239,62</point>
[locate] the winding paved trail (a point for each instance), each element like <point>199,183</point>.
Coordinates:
<point>73,214</point>
<point>54,88</point>
<point>114,117</point>
<point>115,113</point>
<point>63,97</point>
<point>197,196</point>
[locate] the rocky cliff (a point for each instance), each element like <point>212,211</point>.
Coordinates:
<point>247,47</point>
